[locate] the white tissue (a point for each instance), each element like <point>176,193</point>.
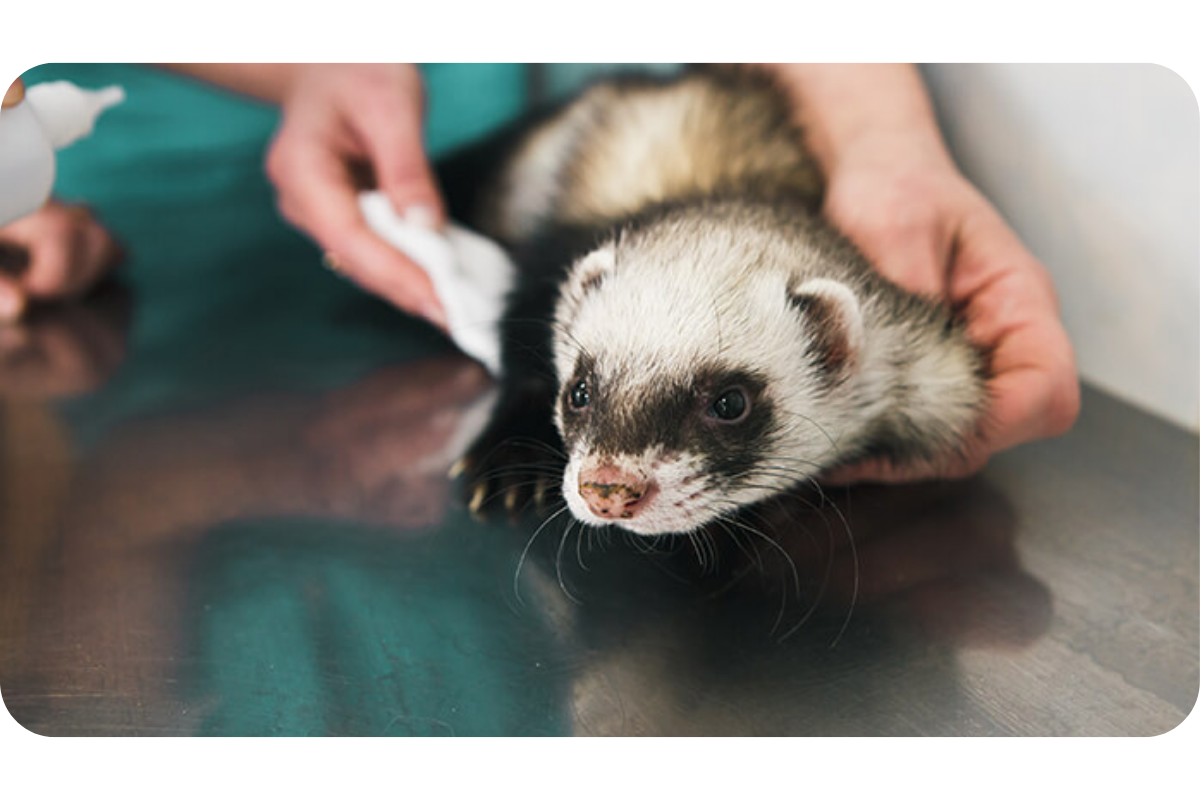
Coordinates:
<point>471,274</point>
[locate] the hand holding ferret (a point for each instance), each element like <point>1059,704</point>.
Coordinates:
<point>893,190</point>
<point>925,227</point>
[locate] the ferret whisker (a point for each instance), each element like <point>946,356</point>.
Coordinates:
<point>696,549</point>
<point>832,443</point>
<point>732,519</point>
<point>712,546</point>
<point>528,349</point>
<point>562,584</point>
<point>539,443</point>
<point>829,562</point>
<point>857,576</point>
<point>567,332</point>
<point>498,446</point>
<point>525,552</point>
<point>816,601</point>
<point>753,559</point>
<point>507,487</point>
<point>578,550</point>
<point>756,555</point>
<point>517,471</point>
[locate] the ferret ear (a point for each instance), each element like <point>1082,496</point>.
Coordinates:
<point>835,318</point>
<point>586,276</point>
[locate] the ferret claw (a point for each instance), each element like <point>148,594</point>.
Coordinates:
<point>477,497</point>
<point>459,467</point>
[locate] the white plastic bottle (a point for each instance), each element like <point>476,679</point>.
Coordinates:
<point>52,116</point>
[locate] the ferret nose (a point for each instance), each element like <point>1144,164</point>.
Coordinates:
<point>613,493</point>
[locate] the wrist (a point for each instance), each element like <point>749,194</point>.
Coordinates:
<point>863,114</point>
<point>889,149</point>
<point>271,83</point>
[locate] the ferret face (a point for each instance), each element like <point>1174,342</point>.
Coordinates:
<point>694,380</point>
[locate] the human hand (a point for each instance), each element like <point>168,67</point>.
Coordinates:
<point>919,221</point>
<point>57,252</point>
<point>337,120</point>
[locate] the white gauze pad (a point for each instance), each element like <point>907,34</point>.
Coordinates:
<point>471,274</point>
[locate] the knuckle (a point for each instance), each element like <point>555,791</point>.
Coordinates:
<point>58,221</point>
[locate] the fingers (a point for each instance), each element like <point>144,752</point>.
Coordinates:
<point>911,255</point>
<point>898,224</point>
<point>337,117</point>
<point>317,196</point>
<point>1031,402</point>
<point>14,94</point>
<point>391,133</point>
<point>1012,312</point>
<point>1034,394</point>
<point>66,252</point>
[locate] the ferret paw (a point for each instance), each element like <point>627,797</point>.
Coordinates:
<point>509,473</point>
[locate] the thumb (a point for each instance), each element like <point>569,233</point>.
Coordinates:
<point>915,259</point>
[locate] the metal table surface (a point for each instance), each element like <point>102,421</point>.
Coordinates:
<point>224,510</point>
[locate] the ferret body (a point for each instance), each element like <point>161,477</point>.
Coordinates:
<point>699,337</point>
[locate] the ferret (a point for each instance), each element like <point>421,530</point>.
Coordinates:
<point>687,331</point>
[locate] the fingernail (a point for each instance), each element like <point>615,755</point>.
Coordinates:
<point>11,304</point>
<point>421,214</point>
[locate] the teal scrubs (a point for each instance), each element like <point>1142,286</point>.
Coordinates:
<point>299,626</point>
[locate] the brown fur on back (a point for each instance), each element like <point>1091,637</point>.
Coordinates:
<point>624,146</point>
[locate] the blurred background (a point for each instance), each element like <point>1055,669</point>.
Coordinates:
<point>1097,166</point>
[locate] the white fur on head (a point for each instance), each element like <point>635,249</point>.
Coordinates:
<point>584,277</point>
<point>690,298</point>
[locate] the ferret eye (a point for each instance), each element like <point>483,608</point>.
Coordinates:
<point>580,396</point>
<point>731,406</point>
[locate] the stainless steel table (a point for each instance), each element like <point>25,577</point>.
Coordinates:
<point>224,510</point>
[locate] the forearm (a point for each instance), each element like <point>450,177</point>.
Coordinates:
<point>855,110</point>
<point>267,82</point>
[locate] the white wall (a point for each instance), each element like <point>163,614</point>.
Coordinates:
<point>1098,168</point>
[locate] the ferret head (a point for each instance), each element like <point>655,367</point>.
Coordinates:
<point>696,367</point>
